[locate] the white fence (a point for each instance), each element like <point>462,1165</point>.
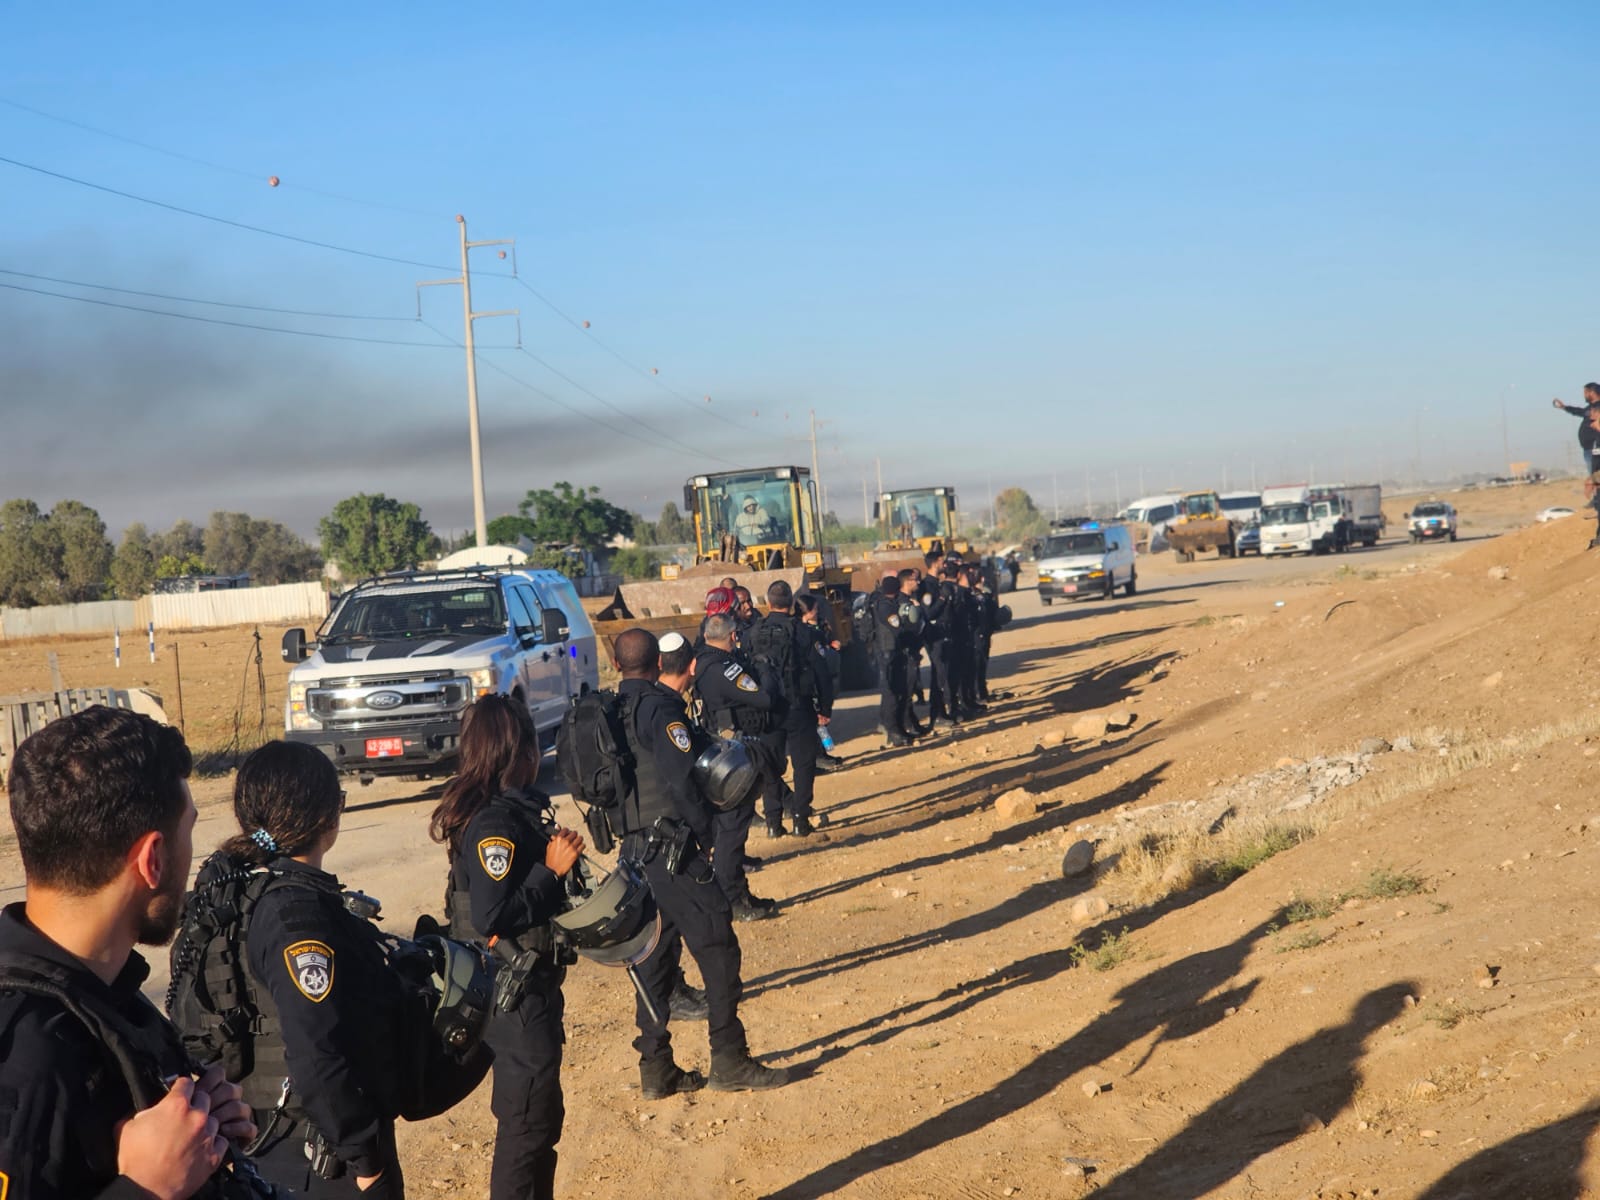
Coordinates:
<point>240,606</point>
<point>185,610</point>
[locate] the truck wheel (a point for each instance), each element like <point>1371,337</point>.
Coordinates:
<point>1452,535</point>
<point>1132,584</point>
<point>1045,600</point>
<point>1111,585</point>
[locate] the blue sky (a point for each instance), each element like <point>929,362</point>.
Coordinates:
<point>1007,245</point>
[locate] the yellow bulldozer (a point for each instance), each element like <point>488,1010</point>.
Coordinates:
<point>1200,524</point>
<point>917,519</point>
<point>758,526</point>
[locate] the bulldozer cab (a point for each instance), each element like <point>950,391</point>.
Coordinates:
<point>1199,505</point>
<point>765,519</point>
<point>916,517</point>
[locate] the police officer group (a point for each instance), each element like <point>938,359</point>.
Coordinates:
<point>299,1030</point>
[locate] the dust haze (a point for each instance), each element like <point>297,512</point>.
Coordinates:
<point>151,419</point>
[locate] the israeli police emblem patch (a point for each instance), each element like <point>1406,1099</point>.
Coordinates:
<point>495,854</point>
<point>746,684</point>
<point>311,967</point>
<point>679,733</point>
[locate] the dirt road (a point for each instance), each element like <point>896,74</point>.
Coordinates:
<point>1296,970</point>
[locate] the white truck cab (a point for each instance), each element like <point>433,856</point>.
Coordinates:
<point>396,663</point>
<point>1304,520</point>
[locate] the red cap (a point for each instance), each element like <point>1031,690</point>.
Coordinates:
<point>719,602</point>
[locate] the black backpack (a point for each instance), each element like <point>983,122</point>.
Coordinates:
<point>211,998</point>
<point>592,752</point>
<point>864,619</point>
<point>772,642</point>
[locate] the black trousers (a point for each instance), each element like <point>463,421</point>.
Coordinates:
<point>283,1162</point>
<point>941,700</point>
<point>796,740</point>
<point>964,671</point>
<point>727,860</point>
<point>696,915</point>
<point>893,695</point>
<point>526,1097</point>
<point>984,642</point>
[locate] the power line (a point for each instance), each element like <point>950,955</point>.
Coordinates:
<point>206,162</point>
<point>160,312</point>
<point>598,399</point>
<point>619,430</point>
<point>583,328</point>
<point>287,312</point>
<point>191,212</point>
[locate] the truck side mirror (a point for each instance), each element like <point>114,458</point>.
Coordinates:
<point>877,510</point>
<point>294,646</point>
<point>555,626</point>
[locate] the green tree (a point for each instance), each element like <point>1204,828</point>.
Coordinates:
<point>85,562</point>
<point>1016,516</point>
<point>279,555</point>
<point>673,527</point>
<point>368,535</point>
<point>569,565</point>
<point>574,516</point>
<point>133,566</point>
<point>636,563</point>
<point>27,556</point>
<point>172,566</point>
<point>507,530</point>
<point>182,541</point>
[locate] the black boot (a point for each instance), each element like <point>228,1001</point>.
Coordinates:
<point>661,1077</point>
<point>736,1071</point>
<point>802,827</point>
<point>752,863</point>
<point>689,1003</point>
<point>748,908</point>
<point>897,740</point>
<point>775,827</point>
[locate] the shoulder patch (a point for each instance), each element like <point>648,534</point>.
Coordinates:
<point>744,684</point>
<point>311,967</point>
<point>732,671</point>
<point>5,1185</point>
<point>679,733</point>
<point>495,855</point>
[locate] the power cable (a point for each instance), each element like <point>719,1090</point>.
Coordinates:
<point>191,212</point>
<point>160,312</point>
<point>287,312</point>
<point>583,328</point>
<point>208,163</point>
<point>598,399</point>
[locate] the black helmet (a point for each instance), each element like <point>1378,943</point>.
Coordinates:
<point>464,979</point>
<point>728,774</point>
<point>910,615</point>
<point>615,921</point>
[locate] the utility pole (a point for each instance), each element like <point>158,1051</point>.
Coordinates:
<point>480,520</point>
<point>866,512</point>
<point>1088,504</point>
<point>1505,433</point>
<point>878,462</point>
<point>1055,495</point>
<point>816,475</point>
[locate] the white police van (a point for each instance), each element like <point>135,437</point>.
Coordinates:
<point>1086,559</point>
<point>383,686</point>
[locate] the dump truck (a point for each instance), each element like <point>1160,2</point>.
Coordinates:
<point>1200,524</point>
<point>917,519</point>
<point>757,525</point>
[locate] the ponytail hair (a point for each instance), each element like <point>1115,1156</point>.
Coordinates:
<point>286,799</point>
<point>499,752</point>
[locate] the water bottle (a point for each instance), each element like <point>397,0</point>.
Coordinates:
<point>825,738</point>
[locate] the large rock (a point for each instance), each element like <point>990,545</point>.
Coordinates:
<point>1119,718</point>
<point>1374,745</point>
<point>1051,738</point>
<point>1078,860</point>
<point>1090,726</point>
<point>1016,805</point>
<point>1089,908</point>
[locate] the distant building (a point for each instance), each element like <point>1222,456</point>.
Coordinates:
<point>200,583</point>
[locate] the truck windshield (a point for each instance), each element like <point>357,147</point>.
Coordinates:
<point>1284,514</point>
<point>1061,545</point>
<point>389,614</point>
<point>1199,506</point>
<point>918,514</point>
<point>755,506</point>
<point>1429,510</point>
<point>1240,503</point>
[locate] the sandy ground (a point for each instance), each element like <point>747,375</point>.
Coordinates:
<point>965,1022</point>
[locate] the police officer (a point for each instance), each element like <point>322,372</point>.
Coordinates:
<point>778,641</point>
<point>333,1005</point>
<point>734,704</point>
<point>934,596</point>
<point>912,633</point>
<point>888,650</point>
<point>665,823</point>
<point>104,824</point>
<point>508,865</point>
<point>965,635</point>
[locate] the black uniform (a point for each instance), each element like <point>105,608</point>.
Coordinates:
<point>339,1007</point>
<point>889,650</point>
<point>693,909</point>
<point>734,702</point>
<point>807,691</point>
<point>934,594</point>
<point>966,616</point>
<point>988,625</point>
<point>501,890</point>
<point>61,1096</point>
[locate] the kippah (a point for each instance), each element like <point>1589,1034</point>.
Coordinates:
<point>672,641</point>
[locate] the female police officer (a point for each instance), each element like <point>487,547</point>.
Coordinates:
<point>508,861</point>
<point>331,1004</point>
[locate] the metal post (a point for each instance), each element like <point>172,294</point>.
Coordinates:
<point>177,671</point>
<point>866,509</point>
<point>479,519</point>
<point>816,475</point>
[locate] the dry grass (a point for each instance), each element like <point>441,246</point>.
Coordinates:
<point>1306,939</point>
<point>1113,950</point>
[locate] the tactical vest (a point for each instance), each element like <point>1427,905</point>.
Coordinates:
<point>649,800</point>
<point>740,718</point>
<point>139,1057</point>
<point>458,891</point>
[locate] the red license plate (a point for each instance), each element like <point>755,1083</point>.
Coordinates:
<point>1069,588</point>
<point>386,747</point>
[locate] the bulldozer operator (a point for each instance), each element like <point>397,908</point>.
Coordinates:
<point>754,525</point>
